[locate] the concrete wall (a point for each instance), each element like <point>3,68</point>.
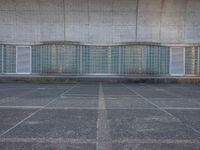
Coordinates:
<point>100,21</point>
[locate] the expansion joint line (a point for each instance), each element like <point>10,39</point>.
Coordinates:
<point>163,110</point>
<point>104,141</point>
<point>37,111</point>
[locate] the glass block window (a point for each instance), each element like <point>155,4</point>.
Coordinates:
<point>9,61</point>
<point>36,59</point>
<point>77,59</point>
<point>56,59</point>
<point>198,61</point>
<point>1,58</point>
<point>132,61</point>
<point>85,64</point>
<point>95,60</point>
<point>164,60</point>
<point>116,60</point>
<point>72,59</point>
<point>145,60</point>
<point>153,59</point>
<point>192,60</point>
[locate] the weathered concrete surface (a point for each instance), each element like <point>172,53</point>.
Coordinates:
<point>100,21</point>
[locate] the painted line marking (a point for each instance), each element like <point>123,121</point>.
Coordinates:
<point>103,129</point>
<point>94,141</point>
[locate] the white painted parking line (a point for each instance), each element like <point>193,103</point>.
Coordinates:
<point>180,108</point>
<point>103,128</point>
<point>70,96</point>
<point>47,140</point>
<point>156,141</point>
<point>94,108</point>
<point>48,108</point>
<point>116,95</point>
<point>41,88</point>
<point>94,141</point>
<point>89,95</point>
<point>20,107</point>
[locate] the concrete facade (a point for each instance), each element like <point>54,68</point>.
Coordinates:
<point>99,21</point>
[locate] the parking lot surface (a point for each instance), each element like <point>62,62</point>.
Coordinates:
<point>99,116</point>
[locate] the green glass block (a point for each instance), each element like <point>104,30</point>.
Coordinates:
<point>9,59</point>
<point>1,58</point>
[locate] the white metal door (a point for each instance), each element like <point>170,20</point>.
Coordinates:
<point>177,61</point>
<point>23,59</point>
